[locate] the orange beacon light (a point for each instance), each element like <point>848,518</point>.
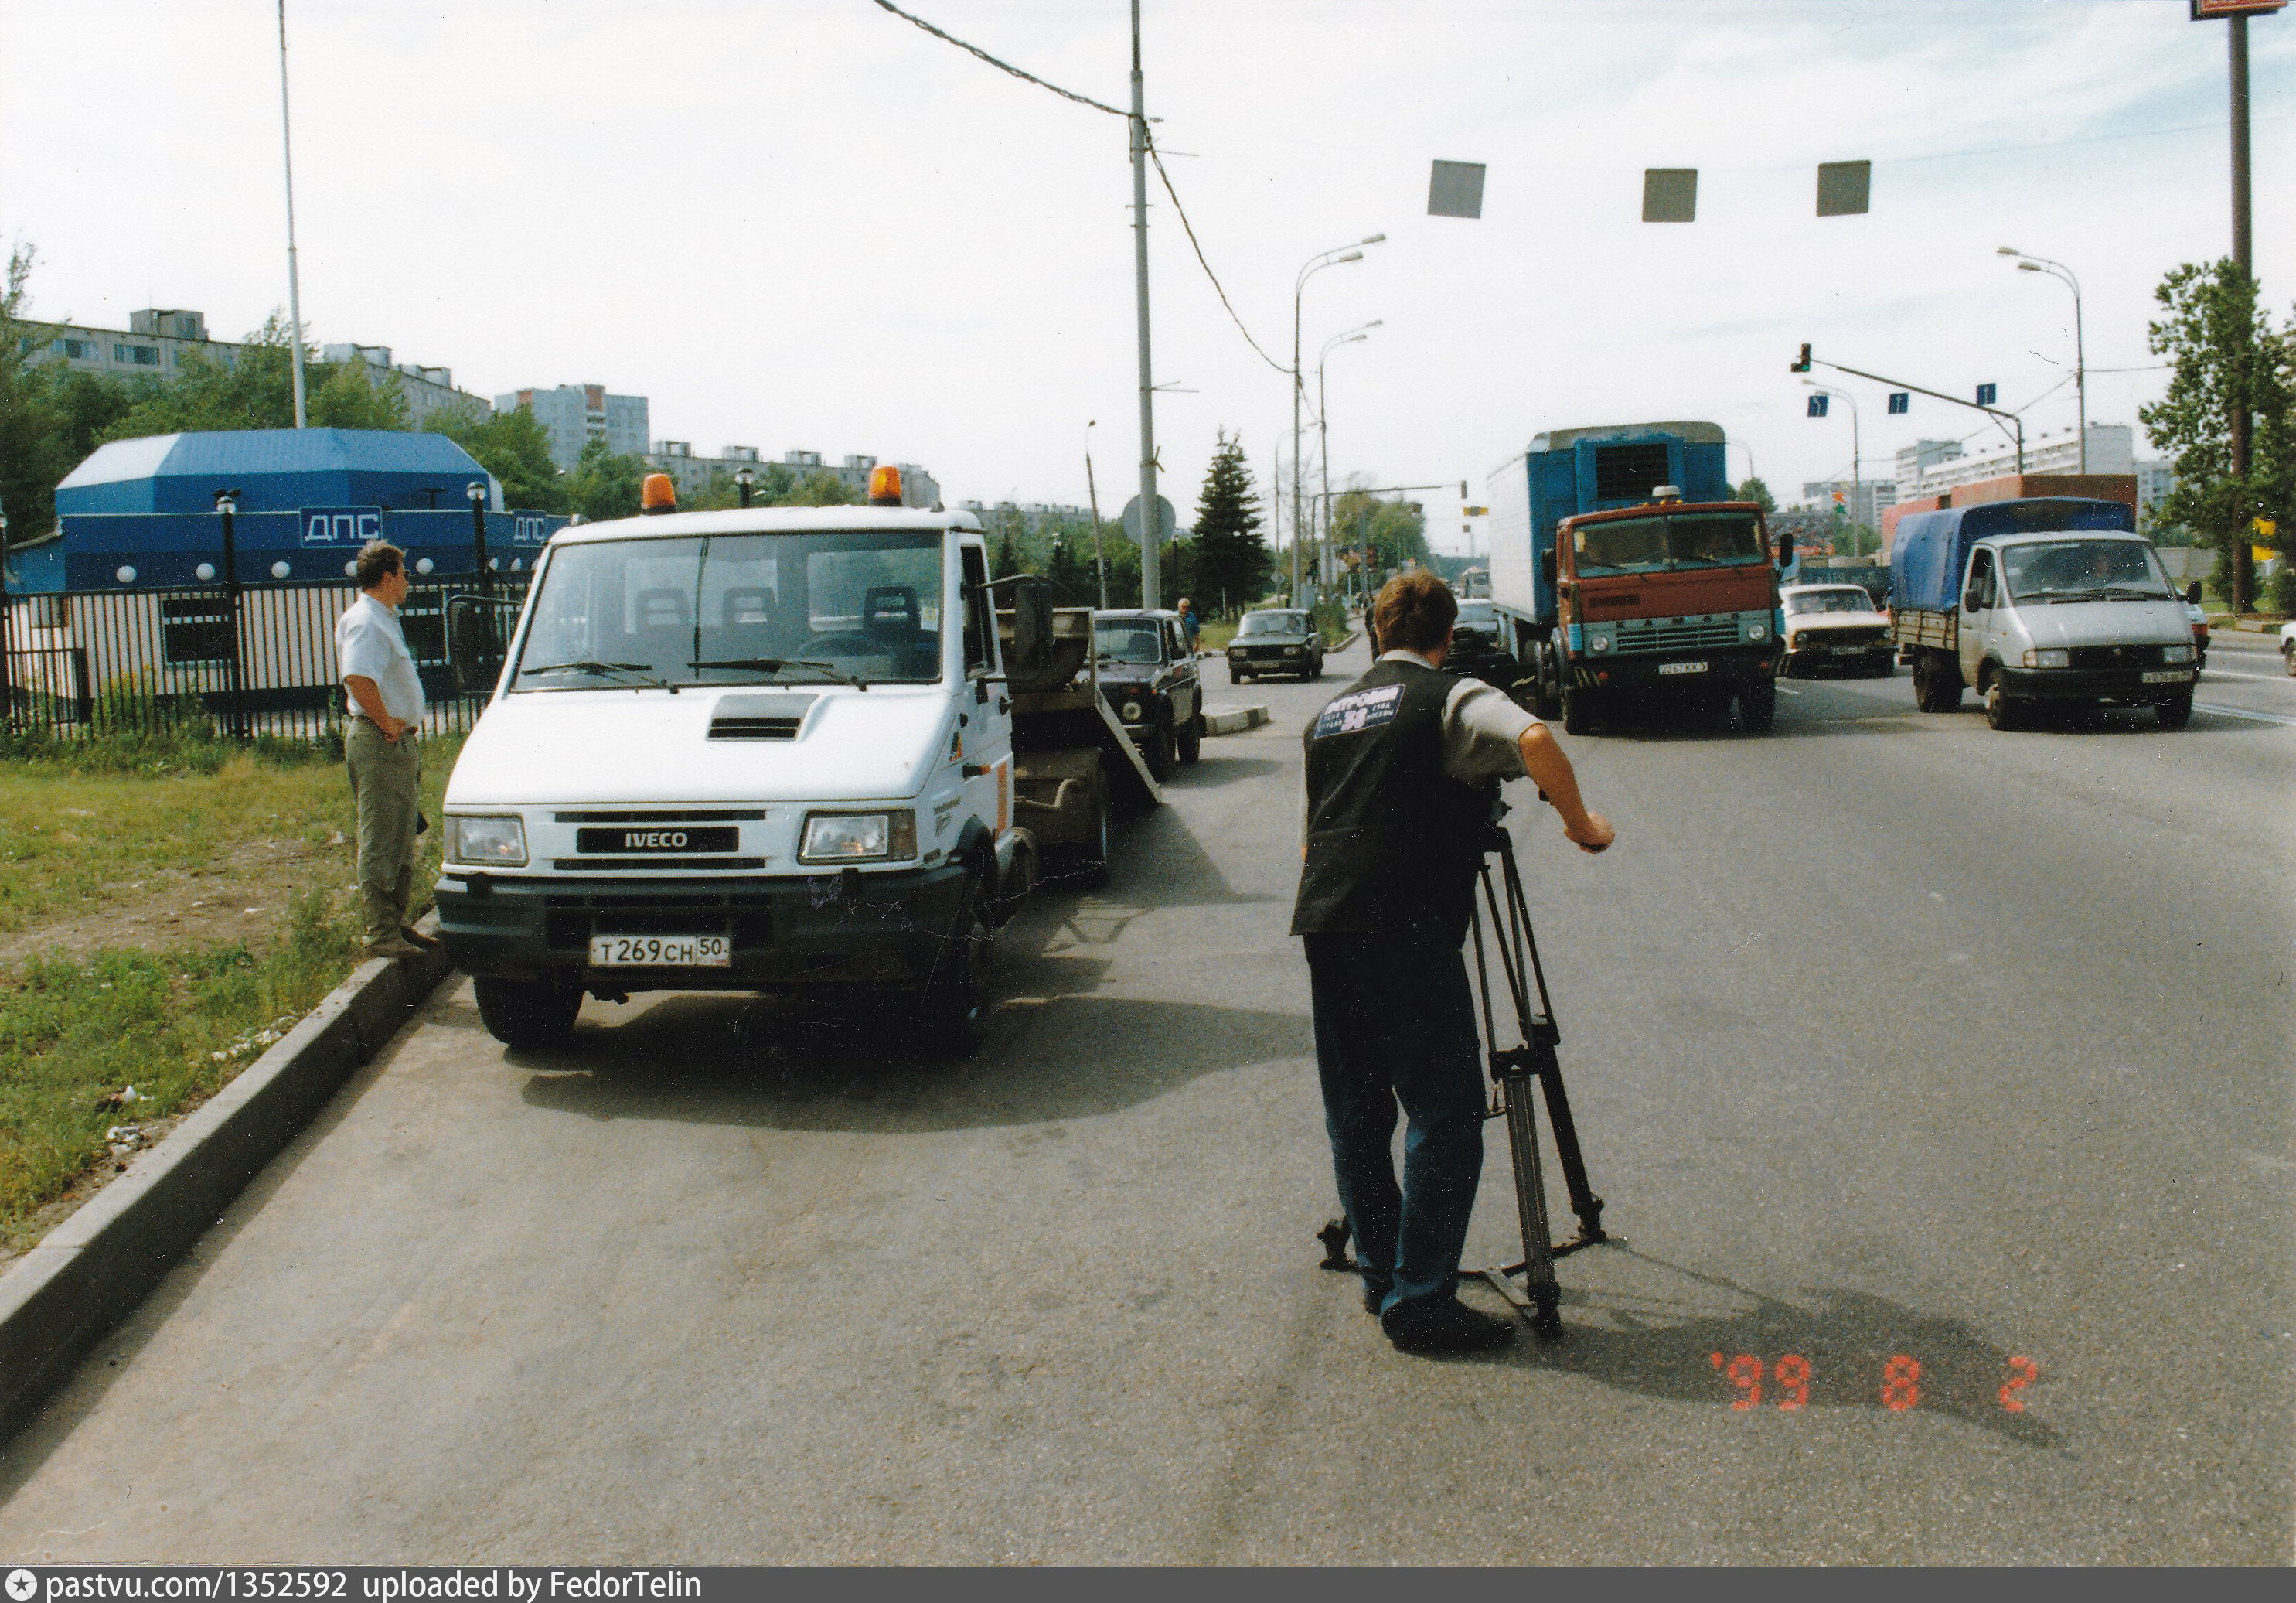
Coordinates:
<point>658,493</point>
<point>885,486</point>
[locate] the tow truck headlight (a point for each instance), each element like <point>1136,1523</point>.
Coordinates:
<point>858,837</point>
<point>1599,642</point>
<point>1131,711</point>
<point>499,840</point>
<point>2176,654</point>
<point>1758,631</point>
<point>2049,656</point>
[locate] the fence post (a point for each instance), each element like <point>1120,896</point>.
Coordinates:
<point>226,504</point>
<point>477,491</point>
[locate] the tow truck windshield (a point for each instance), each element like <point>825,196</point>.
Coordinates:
<point>1653,545</point>
<point>2085,571</point>
<point>860,605</point>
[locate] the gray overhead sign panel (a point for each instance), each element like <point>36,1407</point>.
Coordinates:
<point>1843,187</point>
<point>1670,194</point>
<point>1456,190</point>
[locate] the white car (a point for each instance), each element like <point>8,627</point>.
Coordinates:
<point>2288,646</point>
<point>1838,624</point>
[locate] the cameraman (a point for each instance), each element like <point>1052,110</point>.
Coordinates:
<point>1402,767</point>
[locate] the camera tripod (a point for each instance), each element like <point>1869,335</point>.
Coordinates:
<point>1513,1069</point>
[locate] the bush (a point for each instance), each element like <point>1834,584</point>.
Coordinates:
<point>2284,589</point>
<point>1331,619</point>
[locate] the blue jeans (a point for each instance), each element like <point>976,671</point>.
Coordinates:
<point>1395,1023</point>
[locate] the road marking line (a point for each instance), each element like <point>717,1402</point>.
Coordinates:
<point>1788,690</point>
<point>2261,718</point>
<point>2227,673</point>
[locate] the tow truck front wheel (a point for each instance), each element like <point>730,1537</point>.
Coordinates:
<point>955,1003</point>
<point>531,1013</point>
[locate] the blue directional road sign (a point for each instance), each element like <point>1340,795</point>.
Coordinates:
<point>1901,400</point>
<point>1817,405</point>
<point>1986,393</point>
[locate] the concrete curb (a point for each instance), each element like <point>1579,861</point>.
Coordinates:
<point>1233,720</point>
<point>63,1297</point>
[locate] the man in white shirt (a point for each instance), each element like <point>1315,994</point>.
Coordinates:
<point>381,745</point>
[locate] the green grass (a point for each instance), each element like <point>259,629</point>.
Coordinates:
<point>80,827</point>
<point>177,1024</point>
<point>1215,636</point>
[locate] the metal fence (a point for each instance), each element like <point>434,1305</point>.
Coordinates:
<point>229,660</point>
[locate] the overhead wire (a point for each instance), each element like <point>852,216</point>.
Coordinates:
<point>1003,66</point>
<point>1148,142</point>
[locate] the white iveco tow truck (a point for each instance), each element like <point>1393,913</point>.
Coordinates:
<point>768,748</point>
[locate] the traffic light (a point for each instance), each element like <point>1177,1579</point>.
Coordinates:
<point>1803,365</point>
<point>1463,490</point>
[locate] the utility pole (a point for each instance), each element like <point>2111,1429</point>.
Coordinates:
<point>2244,569</point>
<point>287,155</point>
<point>1152,526</point>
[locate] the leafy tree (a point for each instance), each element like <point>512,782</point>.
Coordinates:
<point>604,485</point>
<point>1229,560</point>
<point>2225,356</point>
<point>819,488</point>
<point>515,448</point>
<point>1755,490</point>
<point>256,391</point>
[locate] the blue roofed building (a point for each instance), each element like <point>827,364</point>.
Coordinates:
<point>142,513</point>
<point>134,585</point>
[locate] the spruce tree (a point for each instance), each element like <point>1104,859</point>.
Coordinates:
<point>1231,559</point>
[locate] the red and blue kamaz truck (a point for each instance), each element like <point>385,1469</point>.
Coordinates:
<point>1622,570</point>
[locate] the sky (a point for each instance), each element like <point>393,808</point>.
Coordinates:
<point>808,224</point>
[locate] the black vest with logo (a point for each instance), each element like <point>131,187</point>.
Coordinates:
<point>1393,841</point>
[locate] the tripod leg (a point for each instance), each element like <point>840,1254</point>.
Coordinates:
<point>1583,1200</point>
<point>1530,1209</point>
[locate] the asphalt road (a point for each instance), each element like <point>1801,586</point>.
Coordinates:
<point>1891,1037</point>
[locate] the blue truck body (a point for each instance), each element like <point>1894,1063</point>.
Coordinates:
<point>1568,471</point>
<point>1932,549</point>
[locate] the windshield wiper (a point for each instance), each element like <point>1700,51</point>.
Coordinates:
<point>636,670</point>
<point>776,664</point>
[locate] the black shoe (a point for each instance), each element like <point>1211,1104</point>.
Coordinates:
<point>1449,1326</point>
<point>1374,1296</point>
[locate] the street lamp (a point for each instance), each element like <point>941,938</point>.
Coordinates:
<point>1857,456</point>
<point>1315,264</point>
<point>2058,270</point>
<point>476,492</point>
<point>1323,436</point>
<point>744,479</point>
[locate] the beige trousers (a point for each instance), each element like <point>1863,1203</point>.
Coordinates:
<point>385,778</point>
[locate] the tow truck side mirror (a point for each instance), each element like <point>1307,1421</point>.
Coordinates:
<point>1547,568</point>
<point>478,628</point>
<point>1032,629</point>
<point>1785,551</point>
<point>2193,593</point>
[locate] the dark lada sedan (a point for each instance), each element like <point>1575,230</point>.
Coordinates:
<point>1476,652</point>
<point>1148,676</point>
<point>1275,642</point>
